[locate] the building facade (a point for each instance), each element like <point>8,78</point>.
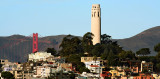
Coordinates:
<point>39,56</point>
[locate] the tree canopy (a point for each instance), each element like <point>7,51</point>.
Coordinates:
<point>7,75</point>
<point>126,54</point>
<point>70,45</point>
<point>73,48</point>
<point>157,47</point>
<point>143,51</point>
<point>52,51</point>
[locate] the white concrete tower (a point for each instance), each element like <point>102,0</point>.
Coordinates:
<point>96,23</point>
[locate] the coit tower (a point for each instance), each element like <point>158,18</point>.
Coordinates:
<point>96,23</point>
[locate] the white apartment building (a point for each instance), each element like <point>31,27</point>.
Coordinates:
<point>39,56</point>
<point>87,64</point>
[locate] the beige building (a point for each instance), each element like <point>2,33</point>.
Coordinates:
<point>90,59</point>
<point>96,23</point>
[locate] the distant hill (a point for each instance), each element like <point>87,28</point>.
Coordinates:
<point>17,47</point>
<point>146,39</point>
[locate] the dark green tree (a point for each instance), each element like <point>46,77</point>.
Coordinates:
<point>104,55</point>
<point>0,65</point>
<point>87,39</point>
<point>157,47</point>
<point>70,45</point>
<point>97,50</point>
<point>126,55</point>
<point>75,59</point>
<point>157,62</point>
<point>143,51</point>
<point>105,39</point>
<point>83,69</point>
<point>52,51</point>
<point>107,78</point>
<point>7,75</point>
<point>158,66</point>
<point>111,59</point>
<point>87,43</point>
<point>72,76</point>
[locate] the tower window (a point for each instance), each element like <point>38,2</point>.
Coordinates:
<point>98,14</point>
<point>94,14</point>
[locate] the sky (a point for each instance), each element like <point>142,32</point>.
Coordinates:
<point>119,18</point>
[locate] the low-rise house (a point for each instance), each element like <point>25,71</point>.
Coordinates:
<point>0,76</point>
<point>127,71</point>
<point>12,67</point>
<point>59,73</point>
<point>125,77</point>
<point>28,74</point>
<point>117,73</point>
<point>53,59</point>
<point>4,61</point>
<point>105,74</point>
<point>95,69</point>
<point>66,66</point>
<point>42,71</point>
<point>143,76</point>
<point>18,74</point>
<point>156,76</point>
<point>89,75</point>
<point>7,68</point>
<point>135,66</point>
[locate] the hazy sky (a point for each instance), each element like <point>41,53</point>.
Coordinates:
<point>120,18</point>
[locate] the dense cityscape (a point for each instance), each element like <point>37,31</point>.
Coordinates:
<point>95,56</point>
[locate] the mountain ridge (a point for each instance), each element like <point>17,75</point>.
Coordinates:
<point>17,47</point>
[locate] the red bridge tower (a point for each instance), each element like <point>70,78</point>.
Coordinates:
<point>35,42</point>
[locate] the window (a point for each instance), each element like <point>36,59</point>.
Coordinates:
<point>98,14</point>
<point>94,14</point>
<point>85,58</point>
